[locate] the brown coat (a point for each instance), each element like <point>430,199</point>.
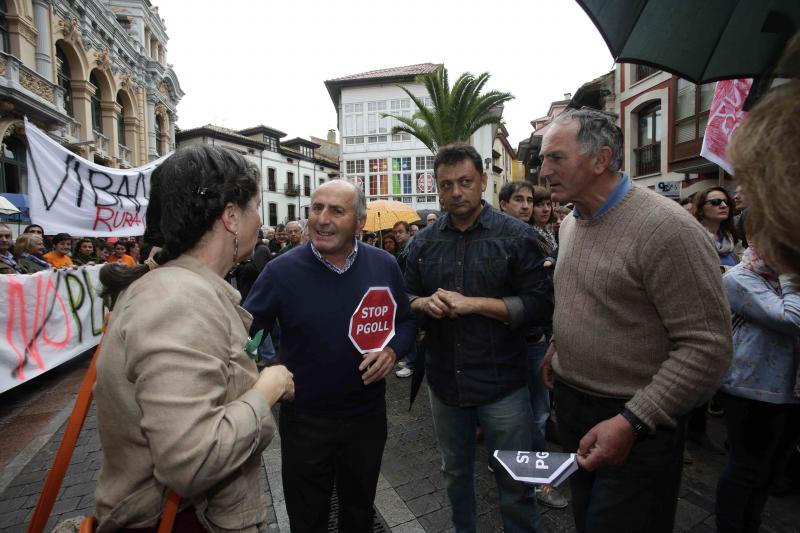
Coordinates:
<point>175,405</point>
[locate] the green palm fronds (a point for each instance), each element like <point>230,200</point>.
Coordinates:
<point>456,113</point>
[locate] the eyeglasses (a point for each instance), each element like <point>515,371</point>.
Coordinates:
<point>716,202</point>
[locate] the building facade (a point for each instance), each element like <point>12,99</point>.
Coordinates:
<point>664,119</point>
<point>290,170</point>
<point>395,166</point>
<point>93,74</point>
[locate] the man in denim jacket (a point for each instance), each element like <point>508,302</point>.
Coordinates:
<point>478,278</point>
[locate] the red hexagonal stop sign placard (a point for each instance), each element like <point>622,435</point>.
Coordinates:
<point>372,323</point>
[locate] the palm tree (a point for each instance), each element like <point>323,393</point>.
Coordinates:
<point>456,114</point>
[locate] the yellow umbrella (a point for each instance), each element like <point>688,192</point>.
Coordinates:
<point>384,214</point>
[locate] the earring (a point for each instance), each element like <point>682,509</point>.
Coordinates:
<point>235,247</point>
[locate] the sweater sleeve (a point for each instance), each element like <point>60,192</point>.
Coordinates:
<point>752,298</point>
<point>531,283</point>
<point>262,301</point>
<point>182,378</point>
<point>405,325</point>
<point>680,274</point>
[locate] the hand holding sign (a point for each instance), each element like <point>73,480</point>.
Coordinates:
<point>607,443</point>
<point>377,365</point>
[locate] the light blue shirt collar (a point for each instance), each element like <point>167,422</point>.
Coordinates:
<point>619,192</point>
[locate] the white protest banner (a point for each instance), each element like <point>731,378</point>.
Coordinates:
<point>726,114</point>
<point>47,319</point>
<point>69,194</point>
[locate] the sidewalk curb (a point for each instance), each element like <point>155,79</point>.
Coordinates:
<point>16,465</point>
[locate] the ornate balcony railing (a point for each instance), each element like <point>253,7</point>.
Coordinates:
<point>125,154</point>
<point>100,142</point>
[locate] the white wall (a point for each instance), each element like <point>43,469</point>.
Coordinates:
<point>482,140</point>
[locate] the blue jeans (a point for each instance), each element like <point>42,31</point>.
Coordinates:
<point>639,495</point>
<point>506,426</point>
<point>540,396</point>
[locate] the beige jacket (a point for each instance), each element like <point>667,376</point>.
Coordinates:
<point>175,407</point>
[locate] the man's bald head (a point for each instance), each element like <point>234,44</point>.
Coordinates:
<point>359,199</point>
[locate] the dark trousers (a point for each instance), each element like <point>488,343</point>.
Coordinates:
<point>315,451</point>
<point>640,495</point>
<point>759,434</point>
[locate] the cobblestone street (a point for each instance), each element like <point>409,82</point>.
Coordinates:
<point>411,495</point>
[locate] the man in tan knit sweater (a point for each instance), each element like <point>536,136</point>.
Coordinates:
<point>641,329</point>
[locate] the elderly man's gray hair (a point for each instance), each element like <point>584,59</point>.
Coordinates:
<point>597,129</point>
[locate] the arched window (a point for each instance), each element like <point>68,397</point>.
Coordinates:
<point>97,114</point>
<point>63,75</point>
<point>13,170</point>
<point>159,150</point>
<point>5,43</point>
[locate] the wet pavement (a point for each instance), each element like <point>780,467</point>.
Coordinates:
<point>411,495</point>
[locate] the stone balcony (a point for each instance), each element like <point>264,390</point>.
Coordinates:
<point>100,143</point>
<point>29,92</point>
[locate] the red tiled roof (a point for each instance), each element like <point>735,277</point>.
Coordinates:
<point>410,70</point>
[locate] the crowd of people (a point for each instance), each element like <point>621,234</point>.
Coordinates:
<point>34,251</point>
<point>621,313</point>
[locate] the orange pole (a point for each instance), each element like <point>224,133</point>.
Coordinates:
<point>55,477</point>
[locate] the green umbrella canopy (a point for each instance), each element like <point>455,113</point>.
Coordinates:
<point>698,40</point>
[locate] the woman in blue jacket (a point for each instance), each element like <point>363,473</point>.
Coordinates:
<point>759,393</point>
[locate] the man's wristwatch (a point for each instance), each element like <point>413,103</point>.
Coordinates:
<point>638,426</point>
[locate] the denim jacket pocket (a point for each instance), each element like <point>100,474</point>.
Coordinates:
<point>491,276</point>
<point>431,272</point>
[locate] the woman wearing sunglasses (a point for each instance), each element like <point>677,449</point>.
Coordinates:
<point>713,207</point>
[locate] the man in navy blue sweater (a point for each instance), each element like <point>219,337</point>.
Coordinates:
<point>336,427</point>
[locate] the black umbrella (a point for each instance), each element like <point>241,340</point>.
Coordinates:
<point>700,41</point>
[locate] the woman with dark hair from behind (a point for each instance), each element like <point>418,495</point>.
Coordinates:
<point>713,208</point>
<point>180,404</point>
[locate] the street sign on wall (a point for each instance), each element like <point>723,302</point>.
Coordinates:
<point>670,189</point>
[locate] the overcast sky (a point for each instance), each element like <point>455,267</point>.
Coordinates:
<point>243,63</point>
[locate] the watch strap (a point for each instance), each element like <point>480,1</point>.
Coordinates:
<point>638,426</point>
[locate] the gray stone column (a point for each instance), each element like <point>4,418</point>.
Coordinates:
<point>173,118</point>
<point>152,153</point>
<point>41,19</point>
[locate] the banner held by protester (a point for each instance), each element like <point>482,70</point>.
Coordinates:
<point>70,194</point>
<point>46,319</point>
<point>726,114</point>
